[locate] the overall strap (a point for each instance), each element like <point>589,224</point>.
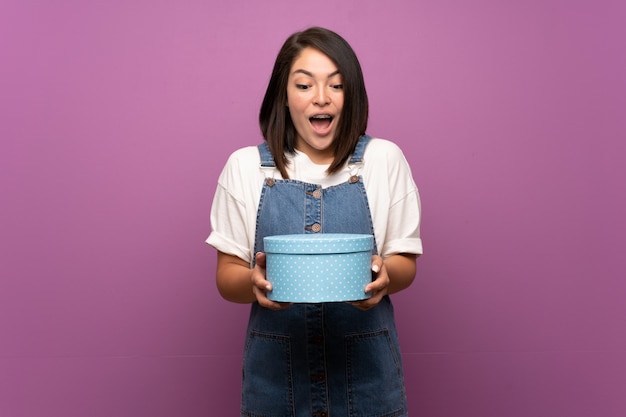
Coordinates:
<point>357,156</point>
<point>267,160</point>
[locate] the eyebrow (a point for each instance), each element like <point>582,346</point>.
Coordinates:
<point>310,74</point>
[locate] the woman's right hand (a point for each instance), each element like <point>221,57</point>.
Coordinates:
<point>260,285</point>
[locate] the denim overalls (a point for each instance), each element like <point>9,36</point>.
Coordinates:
<point>328,359</point>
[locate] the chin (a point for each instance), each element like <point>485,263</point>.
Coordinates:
<point>321,144</point>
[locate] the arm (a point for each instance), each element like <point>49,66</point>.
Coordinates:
<point>401,271</point>
<point>239,283</point>
<point>234,279</point>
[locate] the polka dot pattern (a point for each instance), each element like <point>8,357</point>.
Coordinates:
<point>315,268</point>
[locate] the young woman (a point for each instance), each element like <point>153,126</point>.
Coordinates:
<point>317,172</point>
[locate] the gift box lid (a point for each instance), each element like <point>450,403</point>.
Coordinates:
<point>320,243</point>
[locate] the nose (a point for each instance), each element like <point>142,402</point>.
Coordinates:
<point>322,98</point>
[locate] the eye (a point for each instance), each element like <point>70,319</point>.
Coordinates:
<point>302,86</point>
<point>337,86</point>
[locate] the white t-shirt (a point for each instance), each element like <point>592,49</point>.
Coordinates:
<point>392,196</point>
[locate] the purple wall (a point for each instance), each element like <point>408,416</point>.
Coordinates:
<point>116,118</point>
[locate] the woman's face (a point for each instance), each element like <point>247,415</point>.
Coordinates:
<point>315,100</point>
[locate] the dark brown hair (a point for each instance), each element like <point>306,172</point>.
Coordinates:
<point>274,119</point>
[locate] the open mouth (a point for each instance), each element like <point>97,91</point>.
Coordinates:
<point>321,122</point>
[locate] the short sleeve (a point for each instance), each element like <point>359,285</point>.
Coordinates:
<point>394,199</point>
<point>234,204</point>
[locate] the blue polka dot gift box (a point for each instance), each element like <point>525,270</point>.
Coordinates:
<point>318,268</point>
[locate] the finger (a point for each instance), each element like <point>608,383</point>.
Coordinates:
<point>368,303</point>
<point>378,285</point>
<point>272,305</point>
<point>261,283</point>
<point>358,305</point>
<point>377,264</point>
<point>260,259</point>
<point>259,292</point>
<point>363,305</point>
<point>262,299</point>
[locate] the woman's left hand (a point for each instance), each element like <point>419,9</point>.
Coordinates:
<point>377,288</point>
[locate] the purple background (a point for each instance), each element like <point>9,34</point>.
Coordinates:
<point>116,118</point>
